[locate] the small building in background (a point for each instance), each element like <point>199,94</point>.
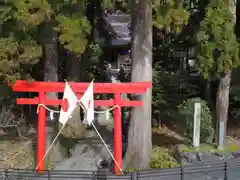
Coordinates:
<point>114,37</point>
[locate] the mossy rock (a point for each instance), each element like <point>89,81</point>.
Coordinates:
<point>73,131</point>
<point>74,127</point>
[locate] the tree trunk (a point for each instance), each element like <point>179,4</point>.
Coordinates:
<point>72,67</point>
<point>140,134</point>
<point>50,43</point>
<point>74,127</point>
<point>224,87</point>
<point>223,101</point>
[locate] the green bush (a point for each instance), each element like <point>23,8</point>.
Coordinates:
<point>169,90</point>
<point>185,121</point>
<point>162,159</point>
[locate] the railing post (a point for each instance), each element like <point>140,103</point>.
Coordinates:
<point>41,142</point>
<point>49,175</point>
<point>226,171</point>
<point>117,134</point>
<point>138,175</point>
<point>4,174</point>
<point>182,172</point>
<point>94,175</point>
<point>133,174</point>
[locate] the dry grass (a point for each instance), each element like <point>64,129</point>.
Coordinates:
<point>16,154</point>
<point>16,150</point>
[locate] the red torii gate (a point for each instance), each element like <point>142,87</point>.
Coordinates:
<point>111,88</point>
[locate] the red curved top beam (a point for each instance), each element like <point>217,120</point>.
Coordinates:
<point>36,86</point>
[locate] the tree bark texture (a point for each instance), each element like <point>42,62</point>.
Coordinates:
<point>72,67</point>
<point>224,85</point>
<point>50,43</point>
<point>139,149</point>
<point>75,128</point>
<point>223,100</point>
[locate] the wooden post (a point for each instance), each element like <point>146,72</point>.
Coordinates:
<point>221,136</point>
<point>41,139</point>
<point>117,134</point>
<point>196,124</point>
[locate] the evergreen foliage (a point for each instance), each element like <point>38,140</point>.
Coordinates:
<point>169,90</point>
<point>21,32</point>
<point>19,51</point>
<point>218,47</point>
<point>171,16</point>
<point>22,23</point>
<point>106,4</point>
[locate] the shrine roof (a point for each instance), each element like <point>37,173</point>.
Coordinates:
<point>118,25</point>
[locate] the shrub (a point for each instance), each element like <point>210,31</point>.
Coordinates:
<point>169,90</point>
<point>186,113</point>
<point>162,159</point>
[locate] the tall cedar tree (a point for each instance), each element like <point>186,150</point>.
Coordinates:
<point>140,132</point>
<point>219,51</point>
<point>171,16</point>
